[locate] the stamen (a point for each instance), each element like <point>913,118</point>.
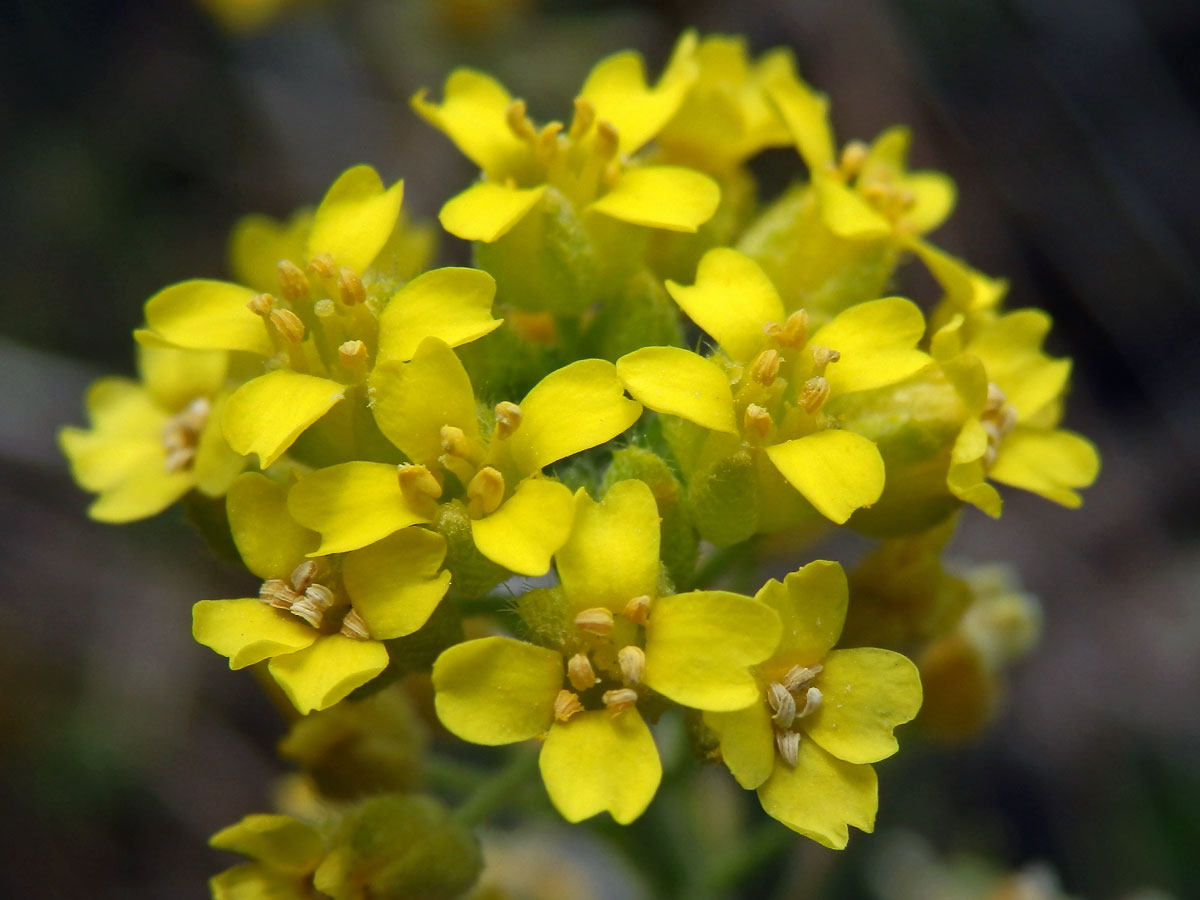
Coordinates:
<point>782,704</point>
<point>354,627</point>
<point>757,421</point>
<point>585,115</point>
<point>597,620</point>
<point>619,700</point>
<point>812,702</point>
<point>632,661</point>
<point>454,441</point>
<point>607,140</point>
<point>765,368</point>
<point>181,434</point>
<point>311,607</point>
<point>788,745</point>
<point>304,575</point>
<point>350,287</point>
<point>547,141</point>
<point>566,704</point>
<point>518,121</point>
<point>822,357</point>
<point>292,281</point>
<point>637,610</point>
<point>508,419</point>
<point>353,357</point>
<point>288,324</point>
<point>275,592</point>
<point>260,304</point>
<point>324,308</point>
<point>792,333</point>
<point>854,154</point>
<point>580,672</point>
<point>798,676</point>
<point>418,482</point>
<point>486,492</point>
<point>322,264</point>
<point>814,393</point>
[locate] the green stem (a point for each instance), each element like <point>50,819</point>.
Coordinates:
<point>730,869</point>
<point>498,789</point>
<point>719,561</point>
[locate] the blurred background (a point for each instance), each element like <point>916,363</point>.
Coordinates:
<point>135,134</point>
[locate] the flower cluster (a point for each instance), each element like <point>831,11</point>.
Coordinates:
<point>647,367</point>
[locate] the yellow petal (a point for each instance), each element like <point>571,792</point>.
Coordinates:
<point>1010,349</point>
<point>270,542</point>
<point>487,211</point>
<point>612,554</point>
<point>616,87</point>
<point>1049,463</point>
<point>680,383</point>
<point>821,796</point>
<point>732,299</point>
<point>255,881</point>
<point>452,304</point>
<point>668,197</point>
<point>325,672</point>
<point>572,409</point>
<point>266,414</point>
<point>747,742</point>
<point>847,214</point>
<point>282,842</point>
<point>177,377</point>
<point>866,693</point>
<point>474,116</point>
<point>208,315</point>
<point>103,459</point>
<point>596,762</point>
<point>528,528</point>
<point>877,342</point>
<point>395,584</point>
<point>248,631</point>
<point>216,464</point>
<point>356,218</point>
<point>144,493</point>
<point>806,114</point>
<point>700,647</point>
<point>836,471</point>
<point>966,288</point>
<point>497,690</point>
<point>811,603</point>
<point>258,243</point>
<point>415,400</point>
<point>934,195</point>
<point>352,505</point>
<point>966,482</point>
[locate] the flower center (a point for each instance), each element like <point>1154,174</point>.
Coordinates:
<point>599,674</point>
<point>791,700</point>
<point>999,417</point>
<point>305,597</point>
<point>181,434</point>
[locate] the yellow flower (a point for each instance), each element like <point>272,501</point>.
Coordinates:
<point>285,851</point>
<point>619,638</point>
<point>616,114</point>
<point>426,406</point>
<point>321,623</point>
<point>821,715</point>
<point>153,440</point>
<point>783,378</point>
<point>1014,392</point>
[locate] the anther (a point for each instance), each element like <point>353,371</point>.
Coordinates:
<point>580,672</point>
<point>322,264</point>
<point>812,702</point>
<point>597,620</point>
<point>292,280</point>
<point>354,627</point>
<point>798,676</point>
<point>324,308</point>
<point>304,575</point>
<point>179,459</point>
<point>417,481</point>
<point>607,140</point>
<point>782,704</point>
<point>311,607</point>
<point>566,704</point>
<point>585,115</point>
<point>854,154</point>
<point>788,745</point>
<point>508,419</point>
<point>454,441</point>
<point>275,592</point>
<point>765,368</point>
<point>822,357</point>
<point>486,491</point>
<point>632,661</point>
<point>756,421</point>
<point>288,324</point>
<point>814,393</point>
<point>637,610</point>
<point>518,121</point>
<point>350,287</point>
<point>619,700</point>
<point>547,141</point>
<point>260,304</point>
<point>793,332</point>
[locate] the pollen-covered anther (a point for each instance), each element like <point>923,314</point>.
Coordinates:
<point>850,163</point>
<point>312,605</point>
<point>304,575</point>
<point>757,421</point>
<point>585,115</point>
<point>292,280</point>
<point>353,356</point>
<point>261,304</point>
<point>783,705</point>
<point>632,660</point>
<point>812,702</point>
<point>416,481</point>
<point>323,265</point>
<point>546,145</point>
<point>486,491</point>
<point>181,434</point>
<point>597,620</point>
<point>566,704</point>
<point>814,393</point>
<point>822,357</point>
<point>619,699</point>
<point>788,745</point>
<point>637,610</point>
<point>350,287</point>
<point>288,324</point>
<point>792,333</point>
<point>275,592</point>
<point>765,368</point>
<point>998,418</point>
<point>454,441</point>
<point>580,672</point>
<point>508,419</point>
<point>354,627</point>
<point>798,676</point>
<point>518,121</point>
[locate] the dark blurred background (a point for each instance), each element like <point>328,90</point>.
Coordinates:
<point>133,136</point>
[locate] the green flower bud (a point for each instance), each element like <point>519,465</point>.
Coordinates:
<point>723,500</point>
<point>473,574</point>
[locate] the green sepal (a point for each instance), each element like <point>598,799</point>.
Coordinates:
<point>640,314</point>
<point>472,574</point>
<point>723,500</point>
<point>546,615</point>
